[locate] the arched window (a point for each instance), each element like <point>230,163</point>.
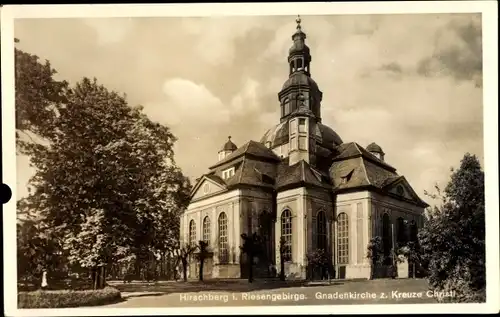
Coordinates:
<point>321,230</point>
<point>413,232</point>
<point>286,233</point>
<point>223,245</point>
<point>206,230</point>
<point>192,232</point>
<point>386,235</point>
<point>401,231</point>
<point>299,63</point>
<point>343,238</point>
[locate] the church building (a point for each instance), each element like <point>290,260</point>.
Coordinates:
<point>302,182</point>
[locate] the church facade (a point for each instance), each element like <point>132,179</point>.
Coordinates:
<point>302,182</point>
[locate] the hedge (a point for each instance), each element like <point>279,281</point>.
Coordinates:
<point>67,298</point>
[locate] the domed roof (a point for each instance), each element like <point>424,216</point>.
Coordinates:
<point>375,148</point>
<point>229,145</point>
<point>300,78</point>
<point>279,135</point>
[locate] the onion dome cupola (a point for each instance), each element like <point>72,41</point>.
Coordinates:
<point>376,150</point>
<point>228,148</point>
<point>299,88</point>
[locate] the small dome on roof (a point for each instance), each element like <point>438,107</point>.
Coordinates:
<point>375,148</point>
<point>229,145</point>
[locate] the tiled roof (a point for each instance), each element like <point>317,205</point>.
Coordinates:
<point>352,168</point>
<point>300,173</point>
<point>251,148</point>
<point>216,179</point>
<point>355,167</point>
<point>352,149</point>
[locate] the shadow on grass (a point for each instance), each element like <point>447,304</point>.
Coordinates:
<point>233,286</point>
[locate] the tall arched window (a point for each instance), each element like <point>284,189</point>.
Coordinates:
<point>343,238</point>
<point>321,230</point>
<point>192,232</point>
<point>206,230</point>
<point>413,232</point>
<point>401,231</point>
<point>386,235</point>
<point>286,233</point>
<point>223,245</point>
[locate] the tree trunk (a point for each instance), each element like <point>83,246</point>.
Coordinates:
<point>94,277</point>
<point>103,277</point>
<point>202,260</point>
<point>184,270</point>
<point>250,268</point>
<point>282,273</point>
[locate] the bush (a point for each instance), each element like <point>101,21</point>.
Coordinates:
<point>67,298</point>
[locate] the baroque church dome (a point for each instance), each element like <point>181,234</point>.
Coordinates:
<point>279,135</point>
<point>299,91</point>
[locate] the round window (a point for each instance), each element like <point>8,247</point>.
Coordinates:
<point>206,188</point>
<point>400,190</point>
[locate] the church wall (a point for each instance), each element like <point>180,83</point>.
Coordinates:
<point>395,208</point>
<point>381,204</point>
<point>212,207</point>
<point>317,200</point>
<point>294,201</point>
<point>356,207</point>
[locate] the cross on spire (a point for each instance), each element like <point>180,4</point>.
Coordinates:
<point>298,20</point>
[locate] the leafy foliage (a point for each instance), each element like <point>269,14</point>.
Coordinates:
<point>320,259</point>
<point>453,238</point>
<point>67,299</point>
<point>253,246</point>
<point>375,252</point>
<point>38,94</point>
<point>106,187</point>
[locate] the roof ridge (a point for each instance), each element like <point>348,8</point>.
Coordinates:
<point>365,172</point>
<point>241,169</point>
<point>358,147</point>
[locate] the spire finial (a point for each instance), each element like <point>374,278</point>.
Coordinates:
<point>298,20</point>
<point>229,138</point>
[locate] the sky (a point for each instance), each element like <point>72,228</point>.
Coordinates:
<point>410,82</point>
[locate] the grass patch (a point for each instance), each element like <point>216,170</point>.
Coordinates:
<point>67,298</point>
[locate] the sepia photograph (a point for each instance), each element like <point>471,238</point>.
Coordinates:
<point>292,158</point>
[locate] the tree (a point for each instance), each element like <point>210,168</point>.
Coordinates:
<point>38,96</point>
<point>453,238</point>
<point>202,255</point>
<point>284,248</point>
<point>36,251</point>
<point>182,253</point>
<point>252,247</point>
<point>375,254</point>
<point>319,259</point>
<point>107,179</point>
